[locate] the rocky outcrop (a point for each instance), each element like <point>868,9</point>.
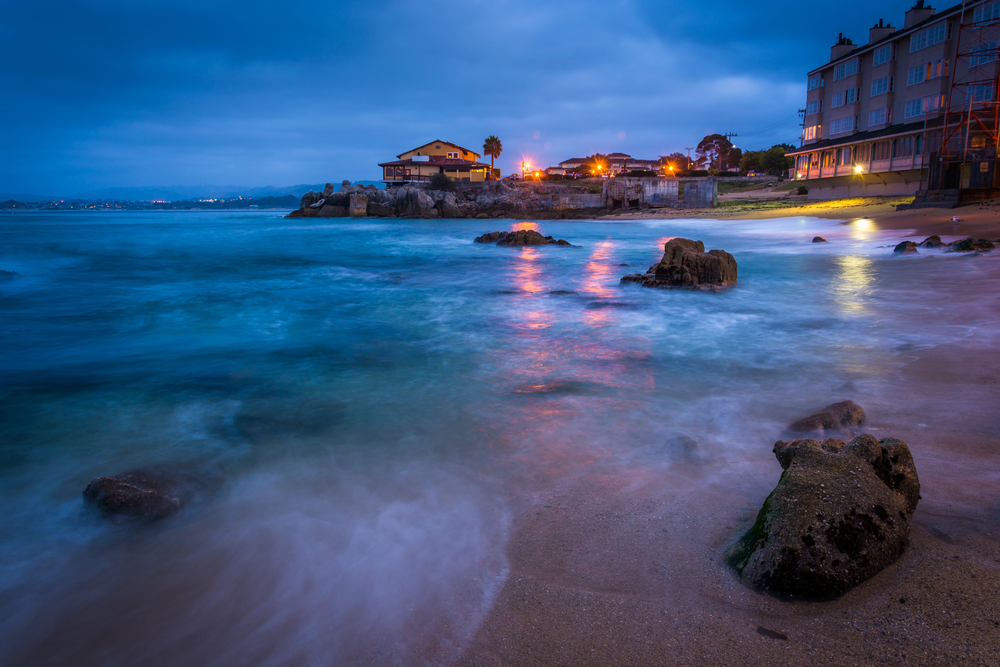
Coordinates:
<point>839,419</point>
<point>328,211</point>
<point>521,237</point>
<point>972,245</point>
<point>838,516</point>
<point>686,264</point>
<point>932,241</point>
<point>358,205</point>
<point>819,239</point>
<point>147,493</point>
<point>905,248</point>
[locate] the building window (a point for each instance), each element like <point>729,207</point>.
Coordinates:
<point>844,156</point>
<point>845,69</point>
<point>986,12</point>
<point>811,132</point>
<point>814,160</point>
<point>879,116</point>
<point>882,86</point>
<point>930,70</point>
<point>883,55</point>
<point>848,96</point>
<point>881,150</point>
<point>982,92</point>
<point>828,159</point>
<point>845,124</point>
<point>929,37</point>
<point>815,81</point>
<point>983,54</point>
<point>453,155</point>
<point>902,147</point>
<point>816,106</point>
<point>922,105</point>
<point>861,153</point>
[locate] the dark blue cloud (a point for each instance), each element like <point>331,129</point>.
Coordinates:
<point>99,93</point>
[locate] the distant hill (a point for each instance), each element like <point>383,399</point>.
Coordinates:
<point>195,192</point>
<point>16,196</point>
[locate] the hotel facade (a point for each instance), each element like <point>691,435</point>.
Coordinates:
<point>875,114</point>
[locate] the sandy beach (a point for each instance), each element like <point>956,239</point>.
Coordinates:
<point>613,569</point>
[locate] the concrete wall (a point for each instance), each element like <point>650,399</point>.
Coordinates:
<point>888,184</point>
<point>701,193</point>
<point>577,200</point>
<point>624,192</point>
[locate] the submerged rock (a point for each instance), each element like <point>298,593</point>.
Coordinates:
<point>972,245</point>
<point>819,239</point>
<point>932,241</point>
<point>521,237</point>
<point>686,264</point>
<point>838,516</point>
<point>904,248</point>
<point>842,419</point>
<point>151,493</point>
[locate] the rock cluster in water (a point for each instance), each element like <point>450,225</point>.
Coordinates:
<point>494,199</point>
<point>970,244</point>
<point>839,514</point>
<point>686,264</point>
<point>521,237</point>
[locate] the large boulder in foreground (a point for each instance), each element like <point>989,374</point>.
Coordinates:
<point>146,493</point>
<point>521,237</point>
<point>686,264</point>
<point>838,516</point>
<point>839,419</point>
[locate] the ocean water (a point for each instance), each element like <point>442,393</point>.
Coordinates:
<point>374,402</point>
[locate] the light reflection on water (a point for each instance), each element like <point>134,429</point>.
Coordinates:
<point>381,398</point>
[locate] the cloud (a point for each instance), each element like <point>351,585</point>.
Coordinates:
<point>105,93</point>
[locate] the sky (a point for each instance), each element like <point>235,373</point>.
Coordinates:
<point>99,94</point>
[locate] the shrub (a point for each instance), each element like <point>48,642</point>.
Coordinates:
<point>803,190</point>
<point>441,182</point>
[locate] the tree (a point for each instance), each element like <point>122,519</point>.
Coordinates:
<point>714,148</point>
<point>493,148</point>
<point>679,161</point>
<point>773,160</point>
<point>751,161</point>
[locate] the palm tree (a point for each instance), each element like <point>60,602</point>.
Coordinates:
<point>493,148</point>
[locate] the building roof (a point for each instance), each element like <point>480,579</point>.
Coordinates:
<point>439,162</point>
<point>617,155</point>
<point>438,141</point>
<point>891,37</point>
<point>859,137</point>
<point>576,160</point>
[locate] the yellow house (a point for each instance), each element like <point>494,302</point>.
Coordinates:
<point>437,157</point>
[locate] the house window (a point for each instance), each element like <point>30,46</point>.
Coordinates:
<point>983,54</point>
<point>816,106</point>
<point>811,132</point>
<point>882,86</point>
<point>929,37</point>
<point>879,116</point>
<point>982,92</point>
<point>861,153</point>
<point>922,105</point>
<point>453,155</point>
<point>845,69</point>
<point>848,96</point>
<point>438,147</point>
<point>815,81</point>
<point>902,147</point>
<point>845,124</point>
<point>986,12</point>
<point>844,156</point>
<point>931,70</point>
<point>882,55</point>
<point>881,150</point>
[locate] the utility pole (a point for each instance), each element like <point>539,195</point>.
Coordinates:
<point>802,134</point>
<point>689,156</point>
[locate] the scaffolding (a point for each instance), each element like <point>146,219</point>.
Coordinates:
<point>961,140</point>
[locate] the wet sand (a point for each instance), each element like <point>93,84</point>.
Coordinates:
<point>978,220</point>
<point>616,565</point>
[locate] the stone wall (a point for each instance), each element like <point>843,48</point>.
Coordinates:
<point>701,193</point>
<point>625,192</point>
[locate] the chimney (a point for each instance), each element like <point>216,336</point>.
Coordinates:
<point>917,14</point>
<point>879,32</point>
<point>843,46</point>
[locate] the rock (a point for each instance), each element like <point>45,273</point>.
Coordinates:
<point>450,211</point>
<point>819,239</point>
<point>309,198</point>
<point>837,419</point>
<point>686,264</point>
<point>904,248</point>
<point>380,210</point>
<point>327,211</point>
<point>7,275</point>
<point>310,212</point>
<point>838,516</point>
<point>933,241</point>
<point>359,206</point>
<point>297,213</point>
<point>481,216</point>
<point>972,245</point>
<point>147,493</point>
<point>521,237</point>
<point>684,448</point>
<point>328,190</point>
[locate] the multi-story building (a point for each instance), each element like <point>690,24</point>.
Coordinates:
<point>871,111</point>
